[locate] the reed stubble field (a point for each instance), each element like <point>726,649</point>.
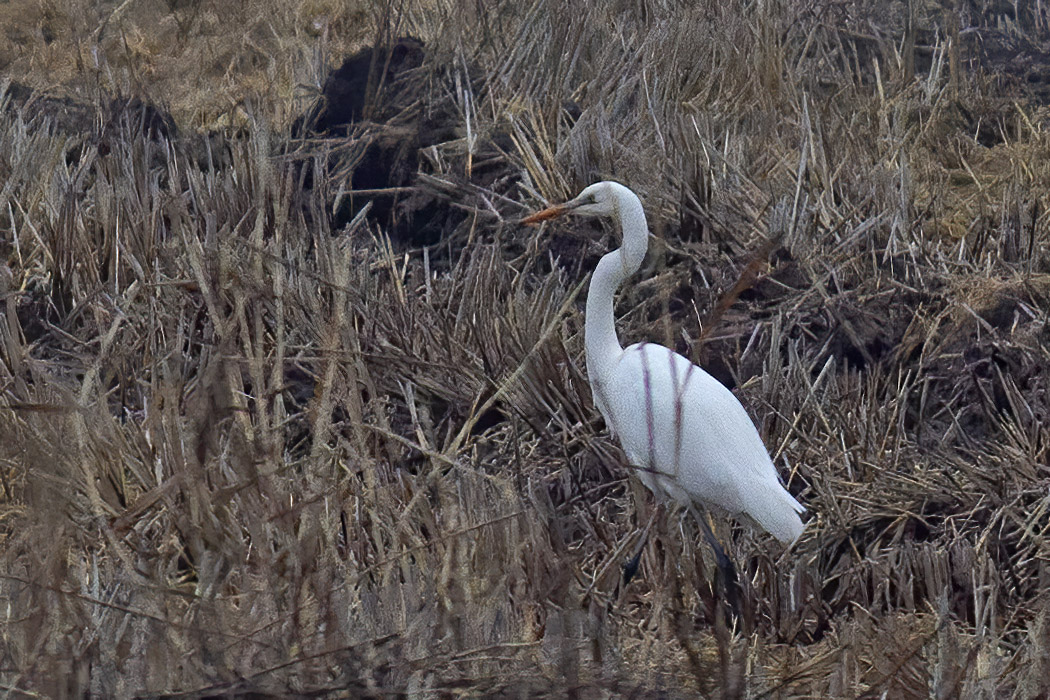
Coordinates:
<point>265,435</point>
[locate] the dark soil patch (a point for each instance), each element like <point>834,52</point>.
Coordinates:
<point>377,114</point>
<point>376,104</point>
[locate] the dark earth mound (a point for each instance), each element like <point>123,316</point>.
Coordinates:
<point>377,106</point>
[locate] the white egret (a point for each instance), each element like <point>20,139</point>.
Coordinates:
<point>686,432</point>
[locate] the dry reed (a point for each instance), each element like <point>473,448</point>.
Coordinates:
<point>245,452</point>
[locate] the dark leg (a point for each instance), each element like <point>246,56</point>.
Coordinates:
<point>727,575</point>
<point>630,567</point>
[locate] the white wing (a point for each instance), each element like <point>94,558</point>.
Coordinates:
<point>692,439</point>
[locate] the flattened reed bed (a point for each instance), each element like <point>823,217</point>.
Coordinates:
<point>247,452</point>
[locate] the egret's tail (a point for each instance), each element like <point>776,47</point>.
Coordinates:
<point>777,512</point>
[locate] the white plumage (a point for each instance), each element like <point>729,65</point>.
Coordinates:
<point>688,435</point>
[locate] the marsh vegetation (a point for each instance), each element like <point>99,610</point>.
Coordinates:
<point>290,404</point>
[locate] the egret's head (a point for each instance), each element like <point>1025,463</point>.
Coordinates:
<point>599,199</point>
<point>595,200</point>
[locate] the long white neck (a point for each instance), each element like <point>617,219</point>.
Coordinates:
<point>603,347</point>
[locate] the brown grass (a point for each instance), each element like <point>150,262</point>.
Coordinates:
<point>244,453</point>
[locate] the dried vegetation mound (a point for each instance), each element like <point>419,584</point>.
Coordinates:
<point>298,408</point>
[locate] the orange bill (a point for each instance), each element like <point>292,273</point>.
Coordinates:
<point>539,216</point>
